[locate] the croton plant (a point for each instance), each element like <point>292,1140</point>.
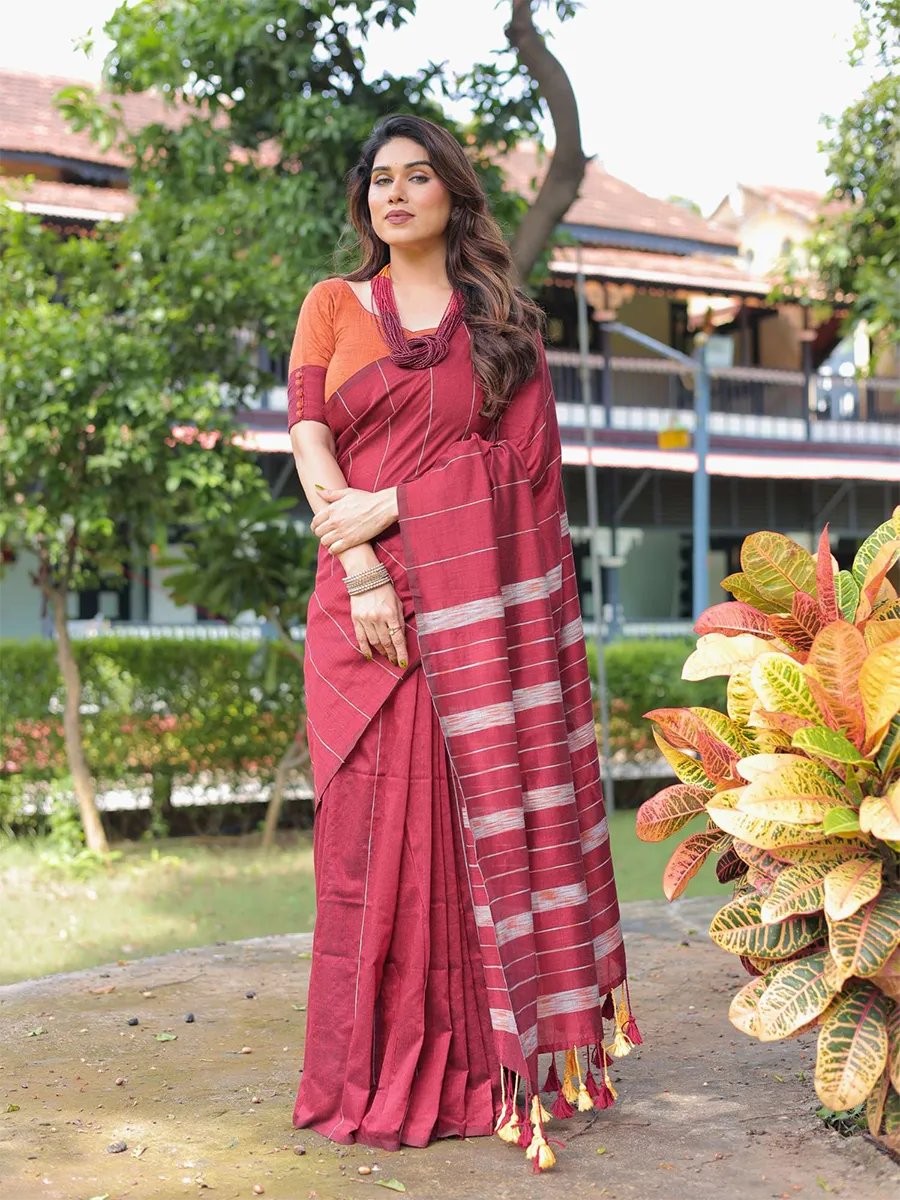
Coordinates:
<point>799,785</point>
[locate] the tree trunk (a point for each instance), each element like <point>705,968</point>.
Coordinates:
<point>94,833</point>
<point>563,179</point>
<point>296,755</point>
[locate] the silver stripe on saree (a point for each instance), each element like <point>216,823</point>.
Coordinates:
<point>536,695</point>
<point>503,1020</point>
<point>504,821</point>
<point>548,797</point>
<point>596,836</point>
<point>584,735</point>
<point>563,896</point>
<point>571,633</point>
<point>575,1000</point>
<point>473,720</point>
<point>458,615</point>
<point>605,943</point>
<point>516,926</point>
<point>538,588</point>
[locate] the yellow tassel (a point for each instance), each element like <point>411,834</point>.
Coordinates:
<point>571,1062</point>
<point>568,1089</point>
<point>607,1080</point>
<point>501,1120</point>
<point>542,1112</point>
<point>621,1045</point>
<point>509,1131</point>
<point>545,1156</point>
<point>584,1100</point>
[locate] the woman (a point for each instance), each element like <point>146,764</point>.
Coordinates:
<point>466,910</point>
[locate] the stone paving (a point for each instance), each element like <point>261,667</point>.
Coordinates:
<point>704,1112</point>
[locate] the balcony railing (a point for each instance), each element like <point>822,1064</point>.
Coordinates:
<point>651,394</point>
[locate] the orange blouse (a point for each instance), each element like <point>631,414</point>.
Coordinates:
<point>335,337</point>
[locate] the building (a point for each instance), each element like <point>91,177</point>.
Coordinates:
<point>794,440</point>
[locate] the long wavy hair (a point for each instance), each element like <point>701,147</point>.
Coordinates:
<point>505,324</point>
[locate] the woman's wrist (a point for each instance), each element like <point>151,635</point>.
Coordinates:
<point>388,498</point>
<point>358,558</point>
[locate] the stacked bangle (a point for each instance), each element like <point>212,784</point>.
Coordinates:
<point>364,581</point>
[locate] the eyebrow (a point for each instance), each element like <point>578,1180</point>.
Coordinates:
<point>420,162</point>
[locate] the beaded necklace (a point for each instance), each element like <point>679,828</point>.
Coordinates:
<point>421,350</point>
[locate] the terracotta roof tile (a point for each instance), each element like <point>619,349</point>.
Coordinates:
<point>70,199</point>
<point>30,121</point>
<point>705,272</point>
<point>608,203</point>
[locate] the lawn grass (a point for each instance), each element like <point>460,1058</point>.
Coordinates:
<point>166,895</point>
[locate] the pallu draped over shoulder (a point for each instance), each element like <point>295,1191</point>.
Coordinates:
<point>467,919</point>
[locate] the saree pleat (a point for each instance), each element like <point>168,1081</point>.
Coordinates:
<point>398,1045</point>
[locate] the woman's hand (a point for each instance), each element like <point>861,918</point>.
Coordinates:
<point>351,516</point>
<point>378,623</point>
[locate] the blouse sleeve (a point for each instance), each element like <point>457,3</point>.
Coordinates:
<point>311,353</point>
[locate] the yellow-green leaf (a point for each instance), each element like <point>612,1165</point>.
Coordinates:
<point>865,555</point>
<point>852,1048</point>
<point>847,592</point>
<point>851,885</point>
<point>893,1061</point>
<point>877,1097</point>
<point>739,586</point>
<point>796,995</point>
<point>862,943</point>
<point>740,695</point>
<point>717,654</point>
<point>880,815</point>
<point>739,928</point>
<point>757,766</point>
<point>879,684</point>
<point>781,687</point>
<point>723,729</point>
<point>743,1012</point>
<point>688,770</point>
<point>797,791</point>
<point>777,567</point>
<point>840,821</point>
<point>767,835</point>
<point>889,754</point>
<point>834,850</point>
<point>668,811</point>
<point>798,889</point>
<point>821,742</point>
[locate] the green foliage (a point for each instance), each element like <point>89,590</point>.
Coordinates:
<point>257,561</point>
<point>163,707</point>
<point>800,791</point>
<point>644,675</point>
<point>241,192</point>
<point>856,249</point>
<point>91,467</point>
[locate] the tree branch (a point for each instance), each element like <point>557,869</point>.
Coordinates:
<point>562,181</point>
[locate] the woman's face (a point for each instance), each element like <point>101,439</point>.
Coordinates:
<point>408,204</point>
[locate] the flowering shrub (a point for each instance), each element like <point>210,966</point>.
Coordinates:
<point>799,784</point>
<point>171,706</point>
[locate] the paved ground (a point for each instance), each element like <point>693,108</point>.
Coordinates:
<point>704,1113</point>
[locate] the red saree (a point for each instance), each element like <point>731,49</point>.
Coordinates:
<point>467,915</point>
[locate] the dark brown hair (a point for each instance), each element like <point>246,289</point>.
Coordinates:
<point>505,324</point>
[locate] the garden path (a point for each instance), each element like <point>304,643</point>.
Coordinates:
<point>705,1113</point>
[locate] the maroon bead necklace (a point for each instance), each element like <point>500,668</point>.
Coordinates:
<point>421,350</point>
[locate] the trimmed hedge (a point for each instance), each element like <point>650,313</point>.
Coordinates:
<point>172,706</point>
<point>643,675</point>
<point>167,709</point>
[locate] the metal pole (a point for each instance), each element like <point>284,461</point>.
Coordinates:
<point>701,487</point>
<point>590,479</point>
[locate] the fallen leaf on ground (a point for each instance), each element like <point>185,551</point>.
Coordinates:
<point>103,991</point>
<point>167,1037</point>
<point>299,1007</point>
<point>13,1107</point>
<point>394,1184</point>
<point>826,1187</point>
<point>138,1151</point>
<point>36,1032</point>
<point>601,1149</point>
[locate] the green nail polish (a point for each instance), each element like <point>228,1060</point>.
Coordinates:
<point>320,486</point>
<point>403,662</point>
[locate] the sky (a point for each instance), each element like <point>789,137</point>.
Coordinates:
<point>678,97</point>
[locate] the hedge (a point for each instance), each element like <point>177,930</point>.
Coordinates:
<point>170,709</point>
<point>181,707</point>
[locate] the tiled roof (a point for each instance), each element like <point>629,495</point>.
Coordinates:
<point>71,199</point>
<point>608,203</point>
<point>704,272</point>
<point>801,202</point>
<point>29,119</point>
